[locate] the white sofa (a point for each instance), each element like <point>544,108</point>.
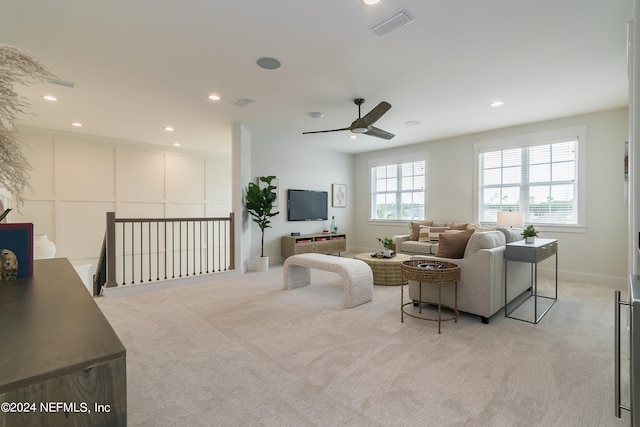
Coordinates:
<point>481,284</point>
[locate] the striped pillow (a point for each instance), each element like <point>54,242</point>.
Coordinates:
<point>423,235</point>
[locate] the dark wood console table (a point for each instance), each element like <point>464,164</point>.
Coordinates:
<point>61,363</point>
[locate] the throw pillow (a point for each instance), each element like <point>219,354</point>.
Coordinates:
<point>452,245</point>
<point>434,233</point>
<point>423,235</point>
<point>414,228</point>
<point>459,225</point>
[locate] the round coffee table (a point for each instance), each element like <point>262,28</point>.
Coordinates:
<point>386,271</point>
<point>431,272</point>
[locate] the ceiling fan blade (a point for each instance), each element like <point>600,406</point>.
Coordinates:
<point>374,131</point>
<point>372,116</point>
<point>323,131</point>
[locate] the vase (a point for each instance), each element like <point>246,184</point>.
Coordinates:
<point>262,264</point>
<point>333,227</point>
<point>529,239</point>
<point>43,248</point>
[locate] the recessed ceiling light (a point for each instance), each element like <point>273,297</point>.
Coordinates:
<point>353,137</point>
<point>370,2</point>
<point>268,63</point>
<point>497,103</point>
<point>316,115</point>
<point>412,123</point>
<point>169,129</point>
<point>50,98</point>
<point>76,124</point>
<point>176,144</point>
<point>214,97</point>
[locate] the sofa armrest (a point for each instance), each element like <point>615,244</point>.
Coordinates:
<point>400,238</point>
<point>397,241</point>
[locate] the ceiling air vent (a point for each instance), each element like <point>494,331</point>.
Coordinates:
<point>242,102</point>
<point>391,23</point>
<point>61,82</point>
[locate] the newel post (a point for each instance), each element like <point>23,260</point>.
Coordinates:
<point>111,250</point>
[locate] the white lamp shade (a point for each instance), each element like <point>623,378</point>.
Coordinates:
<point>510,219</point>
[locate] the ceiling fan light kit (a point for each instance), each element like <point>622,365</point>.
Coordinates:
<point>364,125</point>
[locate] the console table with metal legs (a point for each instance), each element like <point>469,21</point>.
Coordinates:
<point>532,253</point>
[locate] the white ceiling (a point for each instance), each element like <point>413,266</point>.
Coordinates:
<point>141,65</point>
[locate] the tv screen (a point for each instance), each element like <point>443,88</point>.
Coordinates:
<point>306,205</point>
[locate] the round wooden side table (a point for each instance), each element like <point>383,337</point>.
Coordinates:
<point>430,272</point>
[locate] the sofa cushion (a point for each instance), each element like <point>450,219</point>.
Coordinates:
<point>414,228</point>
<point>484,240</point>
<point>453,245</point>
<point>422,248</point>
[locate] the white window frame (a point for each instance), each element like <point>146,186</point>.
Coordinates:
<point>540,138</point>
<point>395,160</point>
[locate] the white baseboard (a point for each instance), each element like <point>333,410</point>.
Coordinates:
<point>596,279</point>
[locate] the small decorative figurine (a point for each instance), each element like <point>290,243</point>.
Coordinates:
<point>9,265</point>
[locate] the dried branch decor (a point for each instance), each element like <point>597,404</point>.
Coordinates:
<point>16,67</point>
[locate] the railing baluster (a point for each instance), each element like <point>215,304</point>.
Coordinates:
<point>219,235</point>
<point>124,260</point>
<point>173,250</point>
<point>133,264</point>
<point>157,251</point>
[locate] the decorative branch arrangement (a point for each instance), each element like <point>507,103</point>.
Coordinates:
<point>16,67</point>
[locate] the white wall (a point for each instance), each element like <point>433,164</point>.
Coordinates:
<point>300,166</point>
<point>597,255</point>
<point>241,174</point>
<point>77,178</point>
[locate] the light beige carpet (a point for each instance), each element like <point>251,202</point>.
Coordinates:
<point>240,351</point>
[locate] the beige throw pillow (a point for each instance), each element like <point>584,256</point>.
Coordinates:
<point>452,245</point>
<point>459,225</point>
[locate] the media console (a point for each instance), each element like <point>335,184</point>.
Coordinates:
<point>320,243</point>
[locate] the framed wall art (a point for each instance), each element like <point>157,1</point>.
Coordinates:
<point>339,195</point>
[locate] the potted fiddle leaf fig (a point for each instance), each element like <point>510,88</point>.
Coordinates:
<point>259,203</point>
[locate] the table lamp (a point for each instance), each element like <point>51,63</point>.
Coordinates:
<point>510,219</point>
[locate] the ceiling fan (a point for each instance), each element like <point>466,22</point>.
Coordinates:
<point>364,124</point>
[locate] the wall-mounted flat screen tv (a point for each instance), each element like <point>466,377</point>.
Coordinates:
<point>307,205</point>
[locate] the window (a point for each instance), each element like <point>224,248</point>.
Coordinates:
<point>397,191</point>
<point>538,176</point>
